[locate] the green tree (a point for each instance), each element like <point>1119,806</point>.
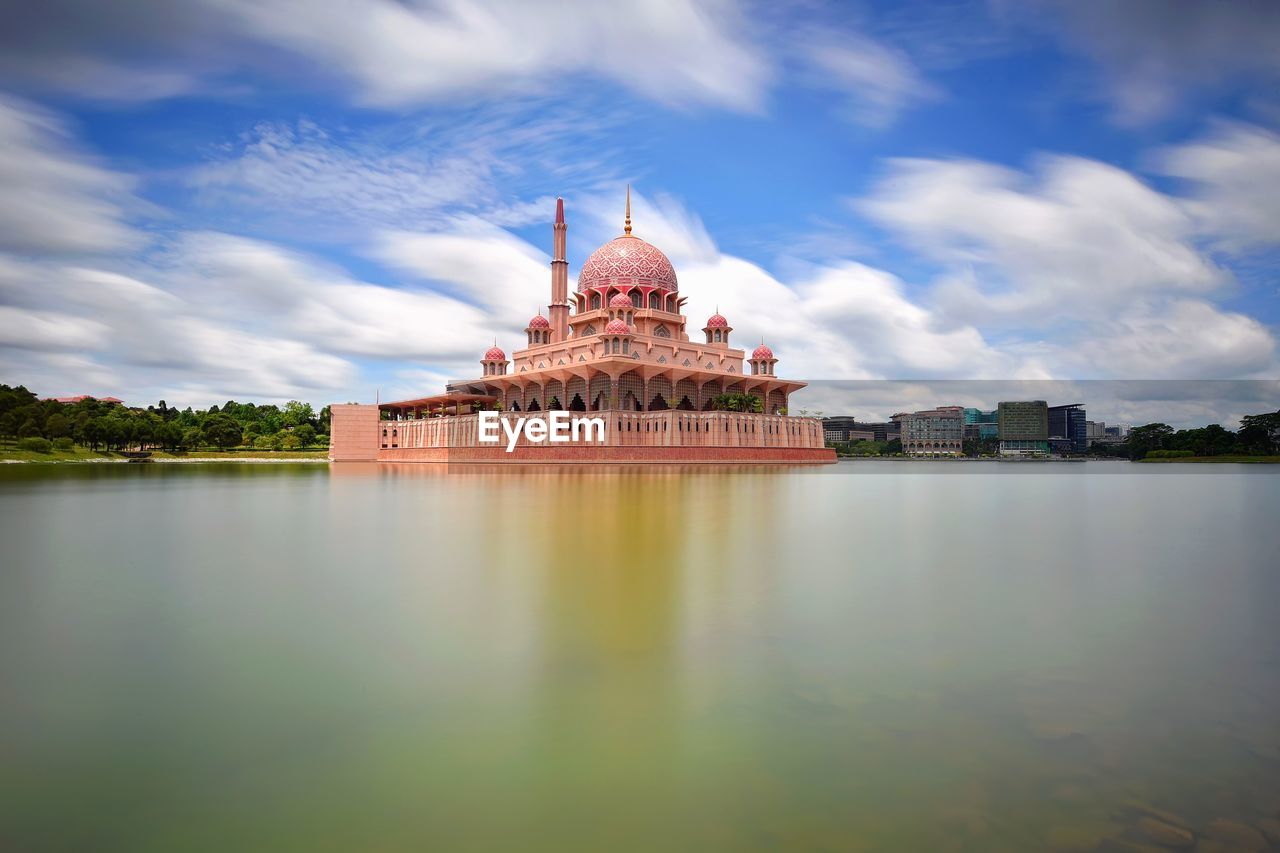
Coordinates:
<point>192,438</point>
<point>297,413</point>
<point>222,431</point>
<point>29,429</point>
<point>306,434</point>
<point>1259,434</point>
<point>1144,439</point>
<point>57,426</point>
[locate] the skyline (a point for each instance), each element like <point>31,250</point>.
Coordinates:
<point>265,205</point>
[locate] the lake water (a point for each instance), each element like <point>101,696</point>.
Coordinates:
<point>867,656</point>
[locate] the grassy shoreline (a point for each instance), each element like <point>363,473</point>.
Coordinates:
<point>80,455</point>
<point>1264,460</point>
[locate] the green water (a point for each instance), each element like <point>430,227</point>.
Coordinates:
<point>870,656</point>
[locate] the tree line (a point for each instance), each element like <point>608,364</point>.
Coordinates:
<point>1259,435</point>
<point>99,425</point>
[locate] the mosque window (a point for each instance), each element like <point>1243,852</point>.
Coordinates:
<point>635,300</point>
<point>686,362</point>
<point>589,329</point>
<point>595,302</point>
<point>718,338</point>
<point>662,359</point>
<point>661,332</point>
<point>655,300</point>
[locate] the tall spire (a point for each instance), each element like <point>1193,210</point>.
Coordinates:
<point>558,309</point>
<point>626,228</point>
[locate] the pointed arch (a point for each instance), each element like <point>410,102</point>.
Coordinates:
<point>599,392</point>
<point>631,391</point>
<point>552,394</point>
<point>686,390</point>
<point>576,387</point>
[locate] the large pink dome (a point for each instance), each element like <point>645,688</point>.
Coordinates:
<point>627,261</point>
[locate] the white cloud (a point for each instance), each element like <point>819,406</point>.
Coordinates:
<point>484,265</point>
<point>55,199</point>
<point>1082,266</point>
<point>393,54</point>
<point>878,80</point>
<point>1234,172</point>
<point>675,51</point>
<point>1081,232</point>
<point>48,330</point>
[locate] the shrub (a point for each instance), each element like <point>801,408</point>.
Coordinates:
<point>36,443</point>
<point>64,443</point>
<point>1170,454</point>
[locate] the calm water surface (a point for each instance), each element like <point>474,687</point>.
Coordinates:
<point>870,656</point>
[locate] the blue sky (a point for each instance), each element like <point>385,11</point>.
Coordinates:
<point>207,199</point>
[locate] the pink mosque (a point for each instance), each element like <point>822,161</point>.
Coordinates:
<point>616,349</point>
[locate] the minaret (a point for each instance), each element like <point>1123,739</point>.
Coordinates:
<point>559,307</point>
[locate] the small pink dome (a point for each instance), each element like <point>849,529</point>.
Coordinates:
<point>539,322</point>
<point>717,322</point>
<point>494,354</point>
<point>617,327</point>
<point>620,300</point>
<point>762,351</point>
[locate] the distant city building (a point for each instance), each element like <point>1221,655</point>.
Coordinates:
<point>1024,428</point>
<point>114,401</point>
<point>1094,430</point>
<point>980,425</point>
<point>844,428</point>
<point>933,432</point>
<point>836,429</point>
<point>1068,422</point>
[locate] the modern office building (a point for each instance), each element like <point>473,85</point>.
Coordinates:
<point>842,428</point>
<point>1068,421</point>
<point>980,425</point>
<point>1024,428</point>
<point>836,429</point>
<point>933,432</point>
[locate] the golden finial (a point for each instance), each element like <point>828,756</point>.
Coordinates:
<point>626,228</point>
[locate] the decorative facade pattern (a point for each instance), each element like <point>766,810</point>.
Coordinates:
<point>627,260</point>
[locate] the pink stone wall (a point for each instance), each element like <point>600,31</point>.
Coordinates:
<point>593,454</point>
<point>353,433</point>
<point>670,436</point>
